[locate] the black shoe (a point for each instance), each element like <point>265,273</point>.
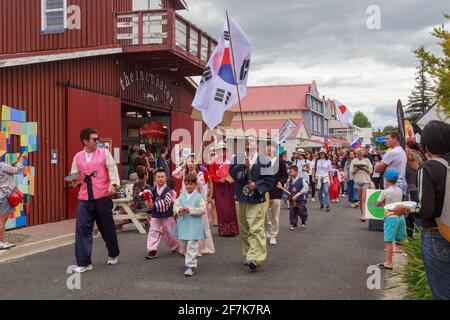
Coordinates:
<point>151,255</point>
<point>321,207</point>
<point>253,266</point>
<point>246,263</point>
<point>328,209</point>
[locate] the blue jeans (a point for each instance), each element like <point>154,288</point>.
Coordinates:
<point>352,194</point>
<point>324,194</point>
<point>436,258</point>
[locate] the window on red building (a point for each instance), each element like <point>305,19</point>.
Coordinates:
<point>53,15</point>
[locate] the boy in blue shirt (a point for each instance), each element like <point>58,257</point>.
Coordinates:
<point>394,226</point>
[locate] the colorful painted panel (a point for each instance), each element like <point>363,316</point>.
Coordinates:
<point>13,122</point>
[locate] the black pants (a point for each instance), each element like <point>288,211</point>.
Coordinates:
<point>101,211</point>
<point>413,196</point>
<point>313,186</point>
<point>297,209</point>
<point>379,184</point>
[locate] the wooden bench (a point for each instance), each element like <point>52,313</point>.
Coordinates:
<point>122,211</point>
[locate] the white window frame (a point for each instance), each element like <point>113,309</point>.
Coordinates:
<point>43,15</point>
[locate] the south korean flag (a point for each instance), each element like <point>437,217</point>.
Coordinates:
<point>217,90</point>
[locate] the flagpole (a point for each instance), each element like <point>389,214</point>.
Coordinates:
<point>237,88</point>
<point>235,74</point>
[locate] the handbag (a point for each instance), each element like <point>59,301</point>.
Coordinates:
<point>15,198</point>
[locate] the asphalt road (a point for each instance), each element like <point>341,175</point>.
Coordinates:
<point>327,260</point>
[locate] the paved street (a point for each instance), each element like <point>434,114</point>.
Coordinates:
<point>328,260</point>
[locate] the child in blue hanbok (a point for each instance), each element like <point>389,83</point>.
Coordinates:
<point>190,207</point>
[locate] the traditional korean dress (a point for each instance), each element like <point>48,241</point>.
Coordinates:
<point>189,229</point>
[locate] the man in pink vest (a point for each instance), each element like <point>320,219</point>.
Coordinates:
<point>98,180</point>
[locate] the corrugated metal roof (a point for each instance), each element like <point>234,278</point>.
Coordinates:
<point>275,98</point>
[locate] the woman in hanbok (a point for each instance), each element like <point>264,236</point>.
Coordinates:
<point>223,193</point>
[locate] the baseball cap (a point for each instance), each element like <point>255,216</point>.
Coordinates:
<point>391,175</point>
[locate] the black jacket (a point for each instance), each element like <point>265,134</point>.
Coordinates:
<point>280,175</point>
<point>261,176</point>
<point>431,181</point>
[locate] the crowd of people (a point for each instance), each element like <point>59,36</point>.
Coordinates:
<point>242,195</point>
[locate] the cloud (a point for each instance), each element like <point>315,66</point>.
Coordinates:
<point>297,41</point>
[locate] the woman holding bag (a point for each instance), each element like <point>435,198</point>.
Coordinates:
<point>7,187</point>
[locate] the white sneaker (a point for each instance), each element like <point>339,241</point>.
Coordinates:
<point>268,235</point>
<point>6,245</point>
<point>83,269</point>
<point>312,199</point>
<point>189,272</point>
<point>113,261</point>
<point>273,241</point>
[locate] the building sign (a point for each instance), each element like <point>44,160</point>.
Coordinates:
<point>160,89</point>
<point>287,129</point>
<point>54,156</point>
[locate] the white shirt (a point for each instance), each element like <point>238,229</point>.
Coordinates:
<point>189,195</point>
<point>396,159</point>
<point>272,161</point>
<point>89,156</point>
<point>301,163</point>
<point>323,168</point>
<point>253,160</point>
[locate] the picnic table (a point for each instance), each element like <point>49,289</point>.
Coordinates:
<point>122,211</point>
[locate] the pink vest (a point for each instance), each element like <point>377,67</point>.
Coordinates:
<point>100,183</point>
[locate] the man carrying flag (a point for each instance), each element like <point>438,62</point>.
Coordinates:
<point>224,81</point>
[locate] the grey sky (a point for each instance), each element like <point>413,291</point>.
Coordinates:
<point>297,41</point>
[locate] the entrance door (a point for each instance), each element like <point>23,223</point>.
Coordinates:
<point>87,109</point>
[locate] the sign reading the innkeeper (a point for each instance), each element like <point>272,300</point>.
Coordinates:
<point>160,90</point>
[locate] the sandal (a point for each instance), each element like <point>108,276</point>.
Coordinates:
<point>382,266</point>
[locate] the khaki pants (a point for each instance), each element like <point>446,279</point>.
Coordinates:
<point>251,220</point>
<point>273,217</point>
<point>191,249</point>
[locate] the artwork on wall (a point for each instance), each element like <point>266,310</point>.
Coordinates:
<point>13,123</point>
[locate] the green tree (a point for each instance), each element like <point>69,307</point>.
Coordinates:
<point>439,66</point>
<point>360,120</point>
<point>421,97</point>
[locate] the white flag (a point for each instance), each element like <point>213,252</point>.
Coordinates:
<point>217,91</point>
<point>345,116</point>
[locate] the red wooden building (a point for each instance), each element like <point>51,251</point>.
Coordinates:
<point>116,65</point>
